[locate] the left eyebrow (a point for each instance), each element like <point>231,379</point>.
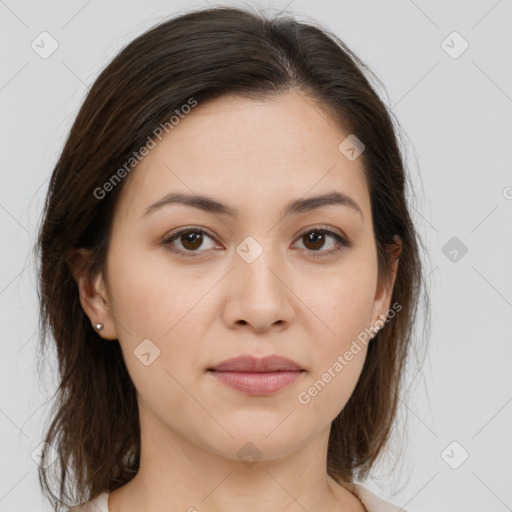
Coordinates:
<point>211,205</point>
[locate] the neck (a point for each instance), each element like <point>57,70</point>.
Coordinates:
<point>177,475</point>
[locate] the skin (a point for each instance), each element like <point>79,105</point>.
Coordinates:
<point>255,156</point>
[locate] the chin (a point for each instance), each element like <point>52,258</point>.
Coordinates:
<point>257,445</point>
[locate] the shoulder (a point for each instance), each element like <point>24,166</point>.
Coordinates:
<point>98,504</point>
<point>372,502</point>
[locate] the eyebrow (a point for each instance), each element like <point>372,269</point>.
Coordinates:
<point>210,205</point>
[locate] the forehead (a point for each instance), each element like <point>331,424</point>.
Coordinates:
<point>250,154</point>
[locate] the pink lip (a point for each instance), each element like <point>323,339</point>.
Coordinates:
<point>257,377</point>
<point>248,363</point>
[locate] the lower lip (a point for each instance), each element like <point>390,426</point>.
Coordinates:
<point>257,384</point>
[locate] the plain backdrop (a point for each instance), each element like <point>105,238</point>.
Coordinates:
<point>446,67</point>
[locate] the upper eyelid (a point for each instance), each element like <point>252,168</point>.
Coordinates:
<point>331,231</point>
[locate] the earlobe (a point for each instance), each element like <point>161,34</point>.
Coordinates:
<point>92,293</point>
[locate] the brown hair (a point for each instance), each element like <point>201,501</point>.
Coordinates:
<point>206,54</point>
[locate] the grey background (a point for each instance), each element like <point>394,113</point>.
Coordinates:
<point>456,114</point>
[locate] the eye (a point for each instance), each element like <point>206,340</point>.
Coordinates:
<point>190,239</point>
<point>315,239</point>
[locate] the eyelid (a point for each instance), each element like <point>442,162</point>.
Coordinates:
<point>343,241</point>
<point>175,234</point>
<point>322,227</point>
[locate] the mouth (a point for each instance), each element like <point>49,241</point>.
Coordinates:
<point>257,377</point>
<point>257,383</point>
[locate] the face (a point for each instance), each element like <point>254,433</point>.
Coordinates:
<point>187,288</point>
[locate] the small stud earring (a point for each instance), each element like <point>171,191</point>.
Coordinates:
<point>99,327</point>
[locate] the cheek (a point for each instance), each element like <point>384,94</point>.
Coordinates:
<point>327,392</point>
<point>329,387</point>
<point>342,302</point>
<point>156,311</point>
<point>149,296</point>
<point>339,302</point>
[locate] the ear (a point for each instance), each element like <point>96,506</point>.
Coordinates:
<point>92,292</point>
<point>385,287</point>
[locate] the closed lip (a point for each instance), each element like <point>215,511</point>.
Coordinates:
<point>248,363</point>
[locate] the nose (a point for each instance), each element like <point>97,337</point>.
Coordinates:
<point>258,294</point>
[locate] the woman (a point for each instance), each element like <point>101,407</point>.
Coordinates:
<point>230,273</point>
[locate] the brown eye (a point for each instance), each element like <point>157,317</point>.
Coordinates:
<point>315,239</point>
<point>191,240</point>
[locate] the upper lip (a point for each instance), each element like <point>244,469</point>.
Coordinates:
<point>248,363</point>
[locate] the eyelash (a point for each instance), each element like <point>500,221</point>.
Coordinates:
<point>342,242</point>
